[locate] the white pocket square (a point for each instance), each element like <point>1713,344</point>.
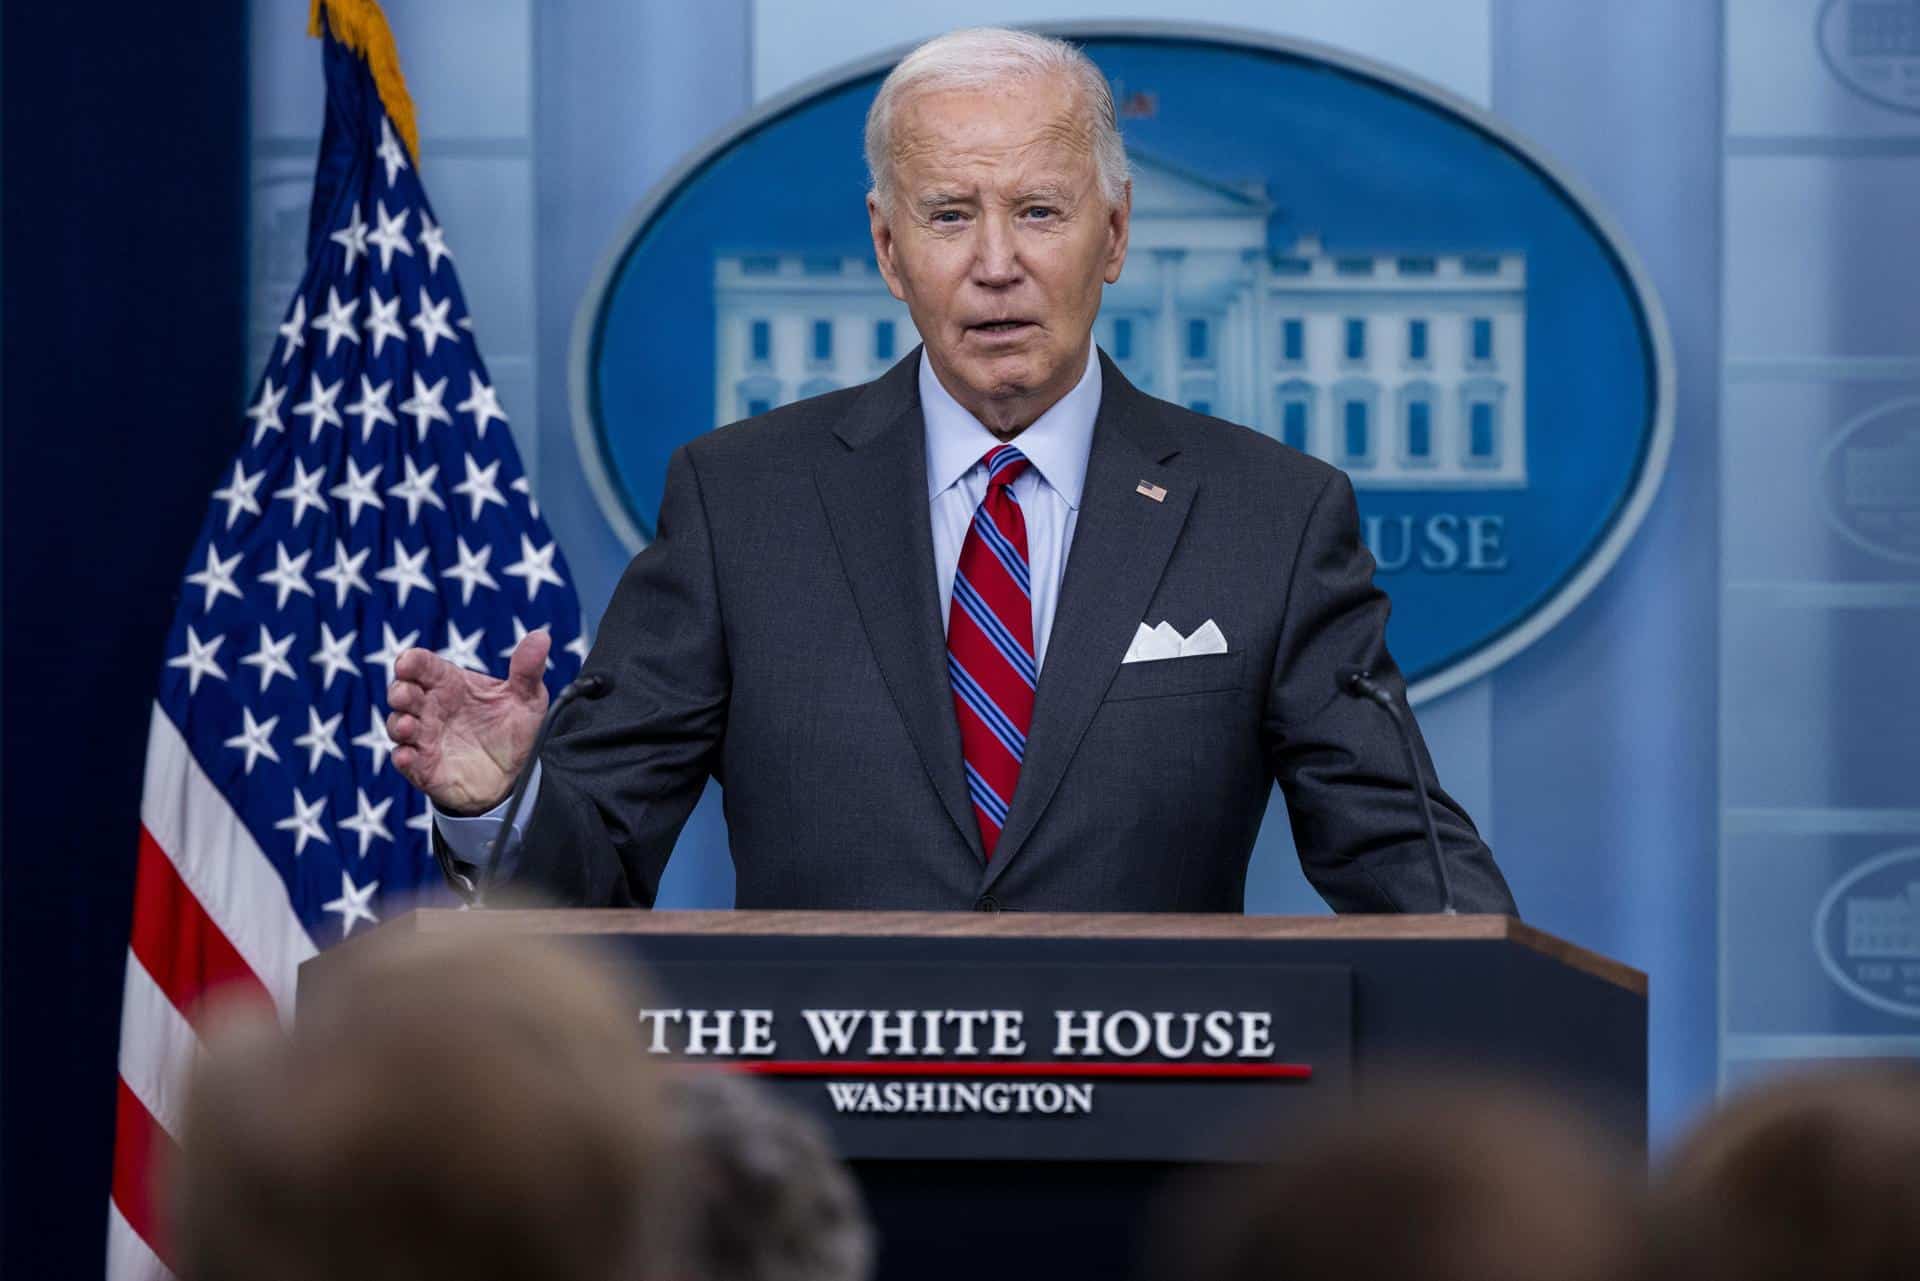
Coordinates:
<point>1150,644</point>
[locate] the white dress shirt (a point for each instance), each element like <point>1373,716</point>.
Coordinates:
<point>1056,444</point>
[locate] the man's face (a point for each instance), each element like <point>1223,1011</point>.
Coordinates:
<point>999,241</point>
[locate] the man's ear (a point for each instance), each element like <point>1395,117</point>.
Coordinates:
<point>1119,228</point>
<point>883,245</point>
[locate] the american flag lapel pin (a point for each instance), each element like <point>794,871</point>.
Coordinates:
<point>1151,490</point>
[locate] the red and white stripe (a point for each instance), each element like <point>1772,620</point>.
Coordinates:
<point>209,914</point>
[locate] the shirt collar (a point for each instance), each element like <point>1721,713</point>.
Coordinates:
<point>1057,442</point>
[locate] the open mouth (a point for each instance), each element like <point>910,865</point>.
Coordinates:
<point>1002,326</point>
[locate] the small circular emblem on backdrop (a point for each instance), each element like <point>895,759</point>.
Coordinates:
<point>1870,481</point>
<point>1873,47</point>
<point>1866,932</point>
<point>1354,263</point>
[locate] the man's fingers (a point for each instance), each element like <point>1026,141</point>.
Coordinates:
<point>421,666</point>
<point>527,669</point>
<point>403,727</point>
<point>405,696</point>
<point>414,767</point>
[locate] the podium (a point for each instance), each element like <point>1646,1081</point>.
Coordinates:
<point>1013,1089</point>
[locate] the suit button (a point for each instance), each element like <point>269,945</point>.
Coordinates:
<point>986,903</point>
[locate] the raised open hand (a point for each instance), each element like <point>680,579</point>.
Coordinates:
<point>460,736</point>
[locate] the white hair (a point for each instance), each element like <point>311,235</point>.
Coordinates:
<point>982,57</point>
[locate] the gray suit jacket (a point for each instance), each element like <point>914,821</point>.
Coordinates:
<point>783,634</point>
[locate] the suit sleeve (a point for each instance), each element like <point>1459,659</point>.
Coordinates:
<point>621,774</point>
<point>1355,816</point>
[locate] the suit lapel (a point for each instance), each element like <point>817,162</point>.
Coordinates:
<point>1121,543</point>
<point>875,495</point>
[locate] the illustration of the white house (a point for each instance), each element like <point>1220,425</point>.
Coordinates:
<point>1883,29</point>
<point>1885,927</point>
<point>1405,369</point>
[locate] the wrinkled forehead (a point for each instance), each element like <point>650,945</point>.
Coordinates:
<point>1023,132</point>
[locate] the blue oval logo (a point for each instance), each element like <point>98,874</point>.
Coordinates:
<point>1867,932</point>
<point>1873,48</point>
<point>1870,481</point>
<point>1359,265</point>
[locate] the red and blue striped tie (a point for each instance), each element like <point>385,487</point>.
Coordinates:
<point>990,645</point>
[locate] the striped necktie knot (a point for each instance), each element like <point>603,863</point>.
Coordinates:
<point>1004,464</point>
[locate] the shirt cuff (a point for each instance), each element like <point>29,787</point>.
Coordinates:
<point>471,838</point>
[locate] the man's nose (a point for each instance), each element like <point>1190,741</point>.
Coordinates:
<point>996,260</point>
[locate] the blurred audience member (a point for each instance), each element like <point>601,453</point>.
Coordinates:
<point>1486,1183</point>
<point>1813,1176</point>
<point>767,1199</point>
<point>467,1109</point>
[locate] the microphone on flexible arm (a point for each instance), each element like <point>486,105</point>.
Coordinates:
<point>1358,683</point>
<point>589,685</point>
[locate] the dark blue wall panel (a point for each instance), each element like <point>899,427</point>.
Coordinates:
<point>124,262</point>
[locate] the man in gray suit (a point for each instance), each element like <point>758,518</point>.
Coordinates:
<point>994,630</point>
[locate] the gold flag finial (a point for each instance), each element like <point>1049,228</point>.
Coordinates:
<point>362,27</point>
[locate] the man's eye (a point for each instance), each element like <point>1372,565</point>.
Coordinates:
<point>1042,212</point>
<point>947,217</point>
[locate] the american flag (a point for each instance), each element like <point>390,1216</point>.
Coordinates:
<point>376,503</point>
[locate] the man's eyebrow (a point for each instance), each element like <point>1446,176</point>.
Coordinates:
<point>940,197</point>
<point>1047,192</point>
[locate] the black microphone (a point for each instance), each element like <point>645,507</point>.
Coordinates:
<point>588,685</point>
<point>1359,683</point>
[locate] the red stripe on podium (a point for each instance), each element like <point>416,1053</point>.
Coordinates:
<point>907,1067</point>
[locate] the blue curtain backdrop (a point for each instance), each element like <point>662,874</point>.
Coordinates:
<point>124,260</point>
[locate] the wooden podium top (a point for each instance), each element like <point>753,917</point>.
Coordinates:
<point>1029,925</point>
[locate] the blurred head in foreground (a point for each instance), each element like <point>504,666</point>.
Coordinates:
<point>457,1108</point>
<point>765,1197</point>
<point>1462,1184</point>
<point>1814,1176</point>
